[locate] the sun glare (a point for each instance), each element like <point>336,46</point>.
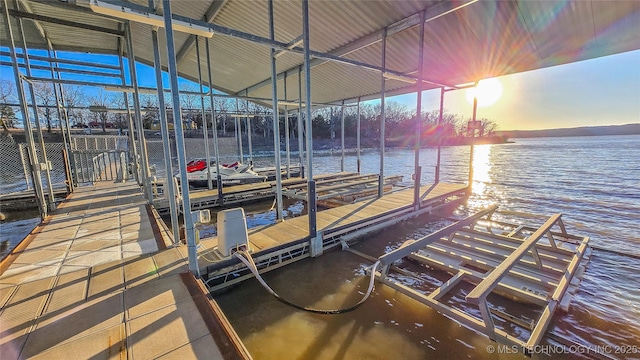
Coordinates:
<point>488,91</point>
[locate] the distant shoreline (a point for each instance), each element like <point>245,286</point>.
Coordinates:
<point>628,129</point>
<point>499,137</point>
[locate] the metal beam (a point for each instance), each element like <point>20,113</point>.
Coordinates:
<point>64,61</point>
<point>300,124</point>
<point>144,158</point>
<point>181,152</point>
<point>481,291</point>
<point>51,202</point>
<point>133,149</point>
<point>27,7</point>
<point>409,247</point>
<point>59,69</point>
<point>417,170</point>
<point>205,130</point>
<point>72,82</point>
<point>439,134</point>
<point>35,17</point>
<point>209,15</point>
<point>214,126</point>
<point>358,125</point>
<point>166,148</point>
<point>276,117</point>
<point>287,142</point>
<point>438,10</point>
<point>33,159</point>
<point>142,12</point>
<point>382,114</point>
<point>292,44</point>
<point>312,206</point>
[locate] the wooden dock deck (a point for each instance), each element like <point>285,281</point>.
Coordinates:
<point>329,187</point>
<point>94,281</point>
<point>270,172</point>
<point>287,241</point>
<point>26,199</point>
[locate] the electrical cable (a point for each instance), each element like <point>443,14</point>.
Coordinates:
<point>246,258</point>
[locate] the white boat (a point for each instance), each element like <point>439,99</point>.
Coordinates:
<point>231,174</point>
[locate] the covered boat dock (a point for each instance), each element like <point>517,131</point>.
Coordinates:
<point>294,57</point>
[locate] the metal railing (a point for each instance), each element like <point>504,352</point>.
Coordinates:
<point>100,165</point>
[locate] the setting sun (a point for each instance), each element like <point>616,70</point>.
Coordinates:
<point>488,91</point>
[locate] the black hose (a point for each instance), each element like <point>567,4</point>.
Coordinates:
<point>246,258</point>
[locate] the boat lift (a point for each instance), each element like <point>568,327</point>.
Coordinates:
<point>539,266</point>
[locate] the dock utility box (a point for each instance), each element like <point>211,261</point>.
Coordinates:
<point>232,231</point>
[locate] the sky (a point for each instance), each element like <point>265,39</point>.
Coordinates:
<point>596,92</point>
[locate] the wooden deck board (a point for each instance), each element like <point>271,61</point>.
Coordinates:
<point>295,229</point>
<point>262,241</point>
<point>283,233</point>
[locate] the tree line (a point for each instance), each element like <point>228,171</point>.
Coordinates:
<point>400,121</point>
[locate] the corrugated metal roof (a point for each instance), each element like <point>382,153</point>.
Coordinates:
<point>484,39</point>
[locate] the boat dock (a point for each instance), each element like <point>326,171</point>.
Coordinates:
<point>288,241</point>
<point>96,279</point>
<point>270,172</point>
<point>26,199</point>
<point>101,276</point>
<point>332,189</point>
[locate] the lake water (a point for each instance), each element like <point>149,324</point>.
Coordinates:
<point>593,181</point>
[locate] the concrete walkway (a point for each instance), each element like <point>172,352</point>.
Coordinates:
<point>91,283</point>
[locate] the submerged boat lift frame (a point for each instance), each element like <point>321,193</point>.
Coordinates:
<point>572,254</point>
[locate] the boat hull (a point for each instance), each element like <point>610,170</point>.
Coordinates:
<point>228,182</point>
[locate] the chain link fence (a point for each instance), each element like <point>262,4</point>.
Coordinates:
<point>15,172</point>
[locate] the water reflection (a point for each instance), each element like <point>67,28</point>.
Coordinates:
<point>482,167</point>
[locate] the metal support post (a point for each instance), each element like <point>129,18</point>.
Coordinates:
<point>473,131</point>
<point>184,182</point>
<point>249,131</point>
<point>311,185</point>
<point>164,129</point>
<point>57,96</point>
<point>133,149</point>
<point>276,117</point>
<point>33,158</point>
<point>382,114</point>
<point>239,132</point>
<point>54,55</point>
<point>214,126</point>
<point>207,154</point>
<point>358,136</point>
<point>417,169</point>
<point>146,178</point>
<point>62,115</point>
<point>439,134</point>
<point>342,135</point>
<point>287,145</point>
<point>300,124</point>
<point>51,201</point>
